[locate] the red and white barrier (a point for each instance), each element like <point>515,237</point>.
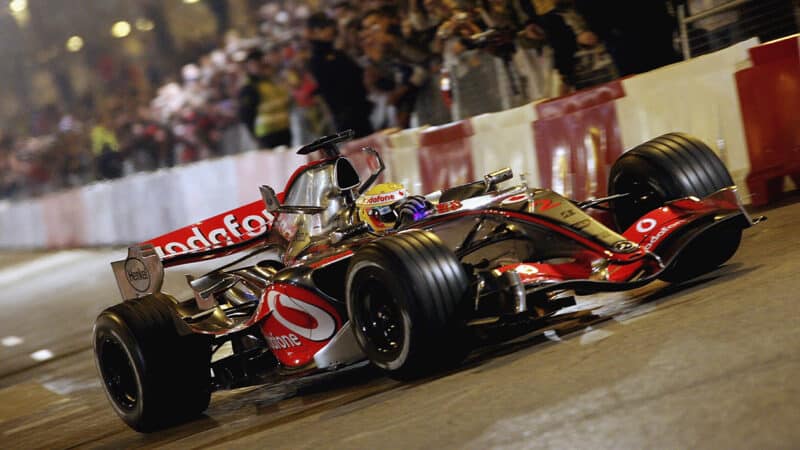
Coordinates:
<point>769,95</point>
<point>740,100</point>
<point>699,97</point>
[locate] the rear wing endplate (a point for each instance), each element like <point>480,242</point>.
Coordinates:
<point>140,274</point>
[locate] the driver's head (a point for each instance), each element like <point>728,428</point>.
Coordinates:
<point>376,206</point>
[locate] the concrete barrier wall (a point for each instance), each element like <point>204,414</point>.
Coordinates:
<point>567,144</point>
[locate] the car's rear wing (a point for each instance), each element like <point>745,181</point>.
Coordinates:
<point>142,272</point>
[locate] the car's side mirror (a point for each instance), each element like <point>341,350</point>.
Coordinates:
<point>346,175</point>
<point>270,199</point>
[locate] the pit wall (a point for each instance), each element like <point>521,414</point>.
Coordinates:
<point>567,144</point>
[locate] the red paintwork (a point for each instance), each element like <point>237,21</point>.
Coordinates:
<point>246,225</point>
<point>535,272</point>
<point>655,226</point>
<point>236,226</point>
<point>295,336</point>
<point>649,231</point>
<point>550,225</point>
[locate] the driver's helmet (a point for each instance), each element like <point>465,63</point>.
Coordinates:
<point>376,207</point>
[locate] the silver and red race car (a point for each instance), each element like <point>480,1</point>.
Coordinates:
<point>311,284</point>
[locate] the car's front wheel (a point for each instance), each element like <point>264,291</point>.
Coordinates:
<point>153,376</point>
<point>404,293</point>
<point>670,167</point>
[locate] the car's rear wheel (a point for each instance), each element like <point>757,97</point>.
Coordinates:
<point>669,167</point>
<point>404,293</point>
<point>153,376</point>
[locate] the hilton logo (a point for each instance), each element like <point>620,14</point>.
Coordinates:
<point>137,274</point>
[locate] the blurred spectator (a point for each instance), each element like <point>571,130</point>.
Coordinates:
<point>370,64</point>
<point>309,117</point>
<point>339,78</point>
<point>347,24</point>
<point>395,67</point>
<point>639,45</point>
<point>565,31</point>
<point>264,102</point>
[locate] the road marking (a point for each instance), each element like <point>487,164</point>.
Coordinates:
<point>42,355</point>
<point>66,386</point>
<point>590,336</point>
<point>634,314</point>
<point>11,341</point>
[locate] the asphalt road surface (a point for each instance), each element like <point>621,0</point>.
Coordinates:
<point>710,364</point>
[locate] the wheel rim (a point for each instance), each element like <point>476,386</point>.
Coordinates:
<point>380,318</point>
<point>118,374</point>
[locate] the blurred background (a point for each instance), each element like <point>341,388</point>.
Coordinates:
<point>98,89</point>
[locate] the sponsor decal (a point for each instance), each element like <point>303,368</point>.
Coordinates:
<point>137,274</point>
<point>581,224</point>
<point>545,204</point>
<point>384,198</point>
<point>448,206</point>
<point>283,341</point>
<point>567,213</point>
<point>656,238</point>
<point>525,269</point>
<point>322,328</point>
<point>646,225</point>
<point>232,230</point>
<point>515,199</point>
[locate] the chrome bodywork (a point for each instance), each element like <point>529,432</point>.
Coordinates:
<point>140,274</point>
<point>343,349</point>
<point>315,188</point>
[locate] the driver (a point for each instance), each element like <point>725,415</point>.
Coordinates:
<point>388,206</point>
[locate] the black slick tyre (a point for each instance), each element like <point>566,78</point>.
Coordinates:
<point>669,167</point>
<point>404,293</point>
<point>153,376</point>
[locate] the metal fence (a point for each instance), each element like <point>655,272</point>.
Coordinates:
<point>483,83</point>
<point>709,25</point>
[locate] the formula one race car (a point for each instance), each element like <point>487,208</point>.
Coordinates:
<point>331,272</point>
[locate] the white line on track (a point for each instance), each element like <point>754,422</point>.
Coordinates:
<point>42,355</point>
<point>11,341</point>
<point>590,336</point>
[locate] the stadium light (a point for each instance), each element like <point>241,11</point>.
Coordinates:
<point>18,6</point>
<point>121,29</point>
<point>74,44</point>
<point>143,24</point>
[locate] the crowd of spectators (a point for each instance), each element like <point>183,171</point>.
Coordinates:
<point>366,65</point>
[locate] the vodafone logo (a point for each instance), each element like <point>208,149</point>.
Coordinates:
<point>646,225</point>
<point>515,199</point>
<point>325,322</point>
<point>384,198</point>
<point>232,230</point>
